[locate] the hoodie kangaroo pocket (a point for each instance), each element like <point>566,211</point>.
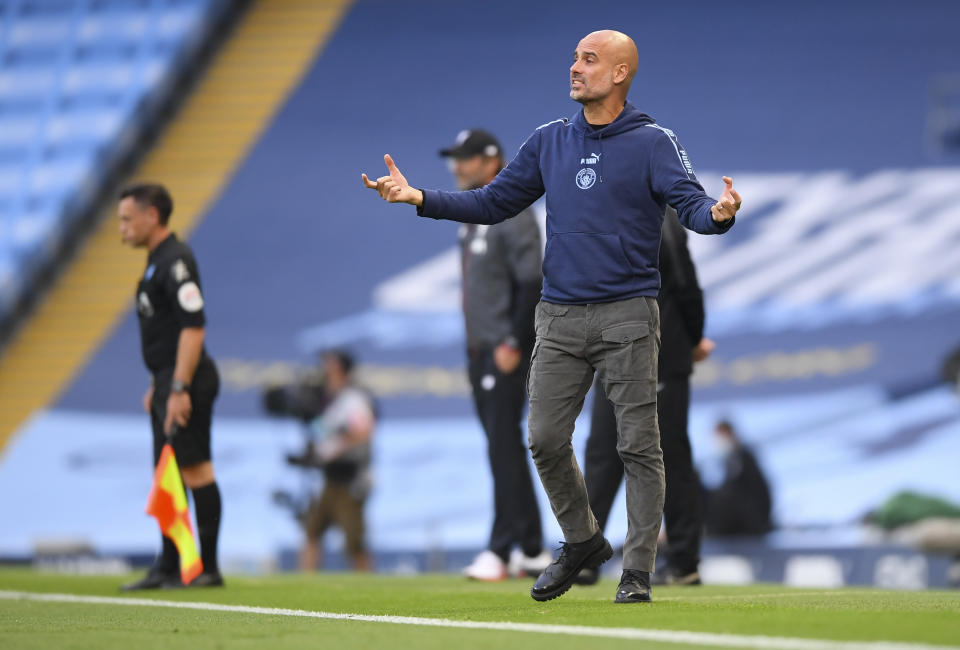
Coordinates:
<point>588,266</point>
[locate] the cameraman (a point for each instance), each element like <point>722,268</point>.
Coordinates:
<point>342,448</point>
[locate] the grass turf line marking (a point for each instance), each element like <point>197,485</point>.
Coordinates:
<point>663,636</point>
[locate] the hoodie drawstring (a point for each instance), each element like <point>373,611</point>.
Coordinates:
<point>583,145</point>
<point>587,154</point>
<point>600,138</point>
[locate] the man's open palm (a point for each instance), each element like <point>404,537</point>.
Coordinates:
<point>394,188</point>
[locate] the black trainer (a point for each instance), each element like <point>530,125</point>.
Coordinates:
<point>205,579</point>
<point>155,579</point>
<point>559,576</point>
<point>676,577</point>
<point>634,587</point>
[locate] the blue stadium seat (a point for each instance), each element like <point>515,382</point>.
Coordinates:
<point>72,76</point>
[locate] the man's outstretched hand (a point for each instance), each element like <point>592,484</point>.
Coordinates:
<point>729,203</point>
<point>394,188</point>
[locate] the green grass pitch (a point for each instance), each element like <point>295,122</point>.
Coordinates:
<point>925,618</point>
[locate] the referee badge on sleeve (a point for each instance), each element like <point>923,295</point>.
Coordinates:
<point>189,297</point>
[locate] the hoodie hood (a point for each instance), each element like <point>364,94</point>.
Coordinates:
<point>629,118</point>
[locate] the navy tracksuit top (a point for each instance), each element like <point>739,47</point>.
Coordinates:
<point>606,194</point>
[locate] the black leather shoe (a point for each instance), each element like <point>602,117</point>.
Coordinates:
<point>559,576</point>
<point>211,579</point>
<point>676,577</point>
<point>155,579</point>
<point>634,587</point>
<point>587,577</point>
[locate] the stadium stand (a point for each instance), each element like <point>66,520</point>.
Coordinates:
<point>80,85</point>
<point>195,155</point>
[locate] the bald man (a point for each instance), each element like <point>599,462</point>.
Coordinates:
<point>608,174</point>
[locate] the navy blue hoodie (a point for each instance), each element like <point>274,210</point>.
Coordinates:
<point>606,194</point>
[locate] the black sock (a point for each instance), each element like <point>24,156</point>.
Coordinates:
<point>207,500</point>
<point>169,558</point>
<point>530,552</point>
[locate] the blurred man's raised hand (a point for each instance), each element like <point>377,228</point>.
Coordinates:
<point>394,188</point>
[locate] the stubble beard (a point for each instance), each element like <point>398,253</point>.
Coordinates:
<point>582,98</point>
<point>580,94</point>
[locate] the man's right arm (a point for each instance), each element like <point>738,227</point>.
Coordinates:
<point>514,188</point>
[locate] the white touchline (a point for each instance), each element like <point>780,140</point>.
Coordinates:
<point>664,636</point>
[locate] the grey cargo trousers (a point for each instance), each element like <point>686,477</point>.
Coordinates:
<point>620,341</point>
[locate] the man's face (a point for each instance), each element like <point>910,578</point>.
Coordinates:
<point>473,173</point>
<point>592,72</point>
<point>137,222</point>
<point>334,373</point>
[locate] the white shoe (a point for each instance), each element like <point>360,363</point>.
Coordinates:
<point>487,567</point>
<point>525,566</point>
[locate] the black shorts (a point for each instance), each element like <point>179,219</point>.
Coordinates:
<point>191,443</point>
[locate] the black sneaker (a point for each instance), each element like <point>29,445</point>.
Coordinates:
<point>587,577</point>
<point>559,576</point>
<point>205,579</point>
<point>155,579</point>
<point>634,587</point>
<point>676,577</point>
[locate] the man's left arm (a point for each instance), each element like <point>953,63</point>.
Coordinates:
<point>184,290</point>
<point>673,178</point>
<point>189,350</point>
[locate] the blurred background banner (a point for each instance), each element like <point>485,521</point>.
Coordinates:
<point>834,300</point>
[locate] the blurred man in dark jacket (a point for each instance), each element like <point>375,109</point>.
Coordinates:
<point>682,343</point>
<point>501,288</point>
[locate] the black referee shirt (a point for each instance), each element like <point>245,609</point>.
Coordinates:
<point>169,299</point>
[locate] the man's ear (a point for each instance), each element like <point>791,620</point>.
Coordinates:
<point>620,73</point>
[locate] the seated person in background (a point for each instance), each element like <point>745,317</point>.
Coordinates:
<point>342,448</point>
<point>741,504</point>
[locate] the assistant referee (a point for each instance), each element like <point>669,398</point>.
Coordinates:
<point>184,380</point>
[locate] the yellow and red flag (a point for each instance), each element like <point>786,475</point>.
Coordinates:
<point>168,503</point>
